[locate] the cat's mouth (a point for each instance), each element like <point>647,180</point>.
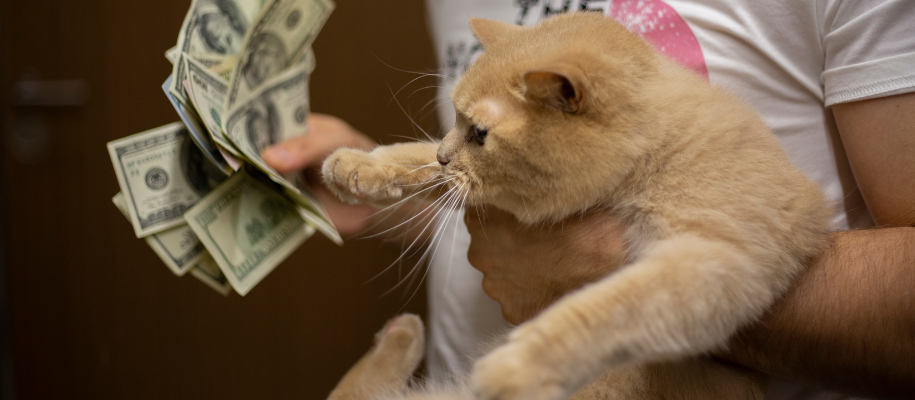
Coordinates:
<point>460,184</point>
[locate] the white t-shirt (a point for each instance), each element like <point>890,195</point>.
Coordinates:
<point>789,59</point>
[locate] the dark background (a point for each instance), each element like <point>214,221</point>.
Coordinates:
<point>88,310</point>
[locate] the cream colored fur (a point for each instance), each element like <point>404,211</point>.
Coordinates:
<point>580,114</point>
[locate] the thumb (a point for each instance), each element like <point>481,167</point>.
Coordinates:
<point>326,134</point>
<point>297,153</point>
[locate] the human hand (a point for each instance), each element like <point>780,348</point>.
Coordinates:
<point>526,268</point>
<point>306,153</point>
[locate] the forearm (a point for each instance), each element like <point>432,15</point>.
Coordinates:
<point>848,322</point>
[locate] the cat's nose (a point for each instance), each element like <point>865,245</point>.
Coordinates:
<point>442,159</point>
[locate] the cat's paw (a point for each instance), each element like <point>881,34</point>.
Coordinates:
<point>359,177</point>
<point>399,346</point>
<point>515,371</point>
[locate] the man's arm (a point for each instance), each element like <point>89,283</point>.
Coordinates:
<point>849,321</point>
<point>879,139</point>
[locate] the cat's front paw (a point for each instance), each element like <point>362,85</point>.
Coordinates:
<point>359,177</point>
<point>515,371</point>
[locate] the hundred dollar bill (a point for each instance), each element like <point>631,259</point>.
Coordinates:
<point>207,93</point>
<point>248,228</point>
<point>275,113</point>
<point>178,247</point>
<point>208,61</point>
<point>209,273</point>
<point>282,33</point>
<point>199,133</point>
<point>162,174</point>
<point>212,28</point>
<point>230,158</point>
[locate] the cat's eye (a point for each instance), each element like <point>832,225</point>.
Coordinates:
<point>479,134</point>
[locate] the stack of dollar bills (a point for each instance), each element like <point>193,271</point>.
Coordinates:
<point>198,190</point>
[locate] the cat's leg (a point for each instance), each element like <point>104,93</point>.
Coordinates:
<point>683,296</point>
<point>382,176</point>
<point>386,368</point>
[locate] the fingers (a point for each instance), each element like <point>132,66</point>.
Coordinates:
<point>326,134</point>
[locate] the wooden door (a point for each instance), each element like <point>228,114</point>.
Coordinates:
<point>93,313</point>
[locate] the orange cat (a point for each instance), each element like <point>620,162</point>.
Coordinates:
<point>577,114</point>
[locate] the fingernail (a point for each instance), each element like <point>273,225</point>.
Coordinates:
<point>279,154</point>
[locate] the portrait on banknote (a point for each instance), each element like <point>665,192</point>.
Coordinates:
<point>262,124</point>
<point>266,57</point>
<point>222,26</point>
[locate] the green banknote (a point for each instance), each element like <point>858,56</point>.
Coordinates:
<point>207,92</point>
<point>248,228</point>
<point>212,30</point>
<point>178,247</point>
<point>162,174</point>
<point>209,273</point>
<point>180,250</point>
<point>277,112</point>
<point>281,35</point>
<point>274,113</point>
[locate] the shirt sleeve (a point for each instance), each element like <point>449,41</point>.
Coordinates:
<point>869,48</point>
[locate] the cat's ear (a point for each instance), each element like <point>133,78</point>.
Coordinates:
<point>488,31</point>
<point>557,86</point>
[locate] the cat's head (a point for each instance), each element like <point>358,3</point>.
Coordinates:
<point>545,117</point>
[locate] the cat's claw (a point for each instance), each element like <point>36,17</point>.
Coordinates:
<point>359,177</point>
<point>514,372</point>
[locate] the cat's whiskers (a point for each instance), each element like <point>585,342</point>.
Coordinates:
<point>393,97</point>
<point>432,164</point>
<point>526,210</point>
<point>436,238</point>
<point>408,84</point>
<point>451,199</point>
<point>481,218</point>
<point>424,259</point>
<point>434,102</point>
<point>436,180</point>
<point>415,139</point>
<point>440,199</point>
<point>393,207</point>
<point>444,200</point>
<point>423,74</point>
<point>455,199</point>
<point>444,207</point>
<point>424,88</point>
<point>454,241</point>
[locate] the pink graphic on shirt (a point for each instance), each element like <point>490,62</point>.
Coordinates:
<point>659,24</point>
